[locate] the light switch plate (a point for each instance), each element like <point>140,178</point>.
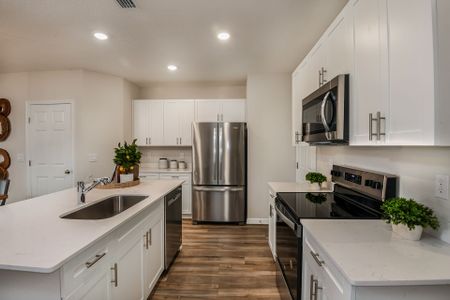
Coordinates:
<point>441,186</point>
<point>92,157</point>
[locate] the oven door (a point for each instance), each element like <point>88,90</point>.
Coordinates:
<point>325,113</point>
<point>289,250</point>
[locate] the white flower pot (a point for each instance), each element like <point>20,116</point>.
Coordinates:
<point>406,233</point>
<point>126,177</point>
<point>314,186</point>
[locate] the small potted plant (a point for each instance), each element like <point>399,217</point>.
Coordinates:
<point>409,218</point>
<point>316,179</point>
<point>127,159</point>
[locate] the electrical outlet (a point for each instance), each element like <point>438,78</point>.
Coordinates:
<point>92,157</point>
<point>441,187</point>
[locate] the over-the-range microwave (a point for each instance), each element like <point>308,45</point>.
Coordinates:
<point>325,113</point>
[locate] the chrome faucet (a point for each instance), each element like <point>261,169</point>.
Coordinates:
<point>82,190</point>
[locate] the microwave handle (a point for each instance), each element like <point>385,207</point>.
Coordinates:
<point>322,111</point>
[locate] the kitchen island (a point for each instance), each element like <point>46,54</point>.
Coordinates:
<point>43,256</point>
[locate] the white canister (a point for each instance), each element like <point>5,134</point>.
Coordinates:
<point>181,165</point>
<point>163,163</point>
<point>173,164</point>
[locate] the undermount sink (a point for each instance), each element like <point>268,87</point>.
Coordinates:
<point>105,208</point>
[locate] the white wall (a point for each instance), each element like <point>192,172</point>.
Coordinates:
<point>271,156</point>
<point>194,90</point>
<point>416,167</point>
<point>102,114</point>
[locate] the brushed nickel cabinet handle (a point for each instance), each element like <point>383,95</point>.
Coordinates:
<point>115,280</point>
<point>316,258</point>
<point>150,236</point>
<point>95,260</point>
<point>311,287</point>
<point>379,133</point>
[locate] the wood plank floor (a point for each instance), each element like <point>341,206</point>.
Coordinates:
<point>221,262</point>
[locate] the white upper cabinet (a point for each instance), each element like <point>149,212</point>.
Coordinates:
<point>411,72</point>
<point>299,91</point>
<point>208,110</point>
<point>148,122</point>
<point>226,110</point>
<point>369,84</point>
<point>396,52</point>
<point>178,118</point>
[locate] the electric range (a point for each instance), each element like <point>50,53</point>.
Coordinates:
<point>358,194</point>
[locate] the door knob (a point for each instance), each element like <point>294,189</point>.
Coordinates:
<point>67,171</point>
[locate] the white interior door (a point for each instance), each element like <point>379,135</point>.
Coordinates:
<point>50,146</point>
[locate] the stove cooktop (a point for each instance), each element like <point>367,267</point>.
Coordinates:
<point>341,204</point>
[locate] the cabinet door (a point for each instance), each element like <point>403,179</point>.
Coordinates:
<point>148,176</point>
<point>316,61</point>
<point>411,72</point>
<point>233,111</point>
<point>272,224</point>
<point>141,121</point>
<point>171,123</point>
<point>299,92</point>
<point>127,271</point>
<point>207,110</point>
<point>371,70</point>
<point>340,46</point>
<point>186,110</point>
<point>156,119</point>
<point>153,255</point>
<point>94,289</point>
<point>187,198</point>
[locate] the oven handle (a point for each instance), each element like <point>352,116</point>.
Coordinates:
<point>286,220</point>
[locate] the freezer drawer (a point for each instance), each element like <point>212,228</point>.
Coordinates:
<point>218,204</point>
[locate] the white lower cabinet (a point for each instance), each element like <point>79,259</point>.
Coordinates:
<point>186,187</point>
<point>125,265</point>
<point>272,223</point>
<point>322,280</point>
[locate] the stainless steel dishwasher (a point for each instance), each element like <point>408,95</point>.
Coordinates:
<point>173,230</point>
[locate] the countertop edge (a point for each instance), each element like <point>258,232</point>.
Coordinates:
<point>56,267</point>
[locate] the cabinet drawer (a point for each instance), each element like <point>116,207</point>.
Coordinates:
<point>334,283</point>
<point>85,267</point>
<point>148,176</point>
<point>185,177</point>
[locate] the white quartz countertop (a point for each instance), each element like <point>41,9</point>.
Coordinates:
<point>156,170</point>
<point>34,238</point>
<point>295,187</point>
<point>368,253</point>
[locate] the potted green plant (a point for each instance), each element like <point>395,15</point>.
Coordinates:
<point>316,179</point>
<point>408,217</point>
<point>127,159</point>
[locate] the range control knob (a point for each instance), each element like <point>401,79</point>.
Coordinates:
<point>377,185</point>
<point>368,182</point>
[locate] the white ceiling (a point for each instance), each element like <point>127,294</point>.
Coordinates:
<point>266,36</point>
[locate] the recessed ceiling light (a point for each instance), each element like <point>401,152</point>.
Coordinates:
<point>223,36</point>
<point>172,68</point>
<point>100,36</point>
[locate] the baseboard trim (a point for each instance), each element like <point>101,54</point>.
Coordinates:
<point>258,221</point>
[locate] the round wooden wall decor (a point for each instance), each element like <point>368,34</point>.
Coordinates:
<point>5,159</point>
<point>5,128</point>
<point>3,173</point>
<point>5,107</point>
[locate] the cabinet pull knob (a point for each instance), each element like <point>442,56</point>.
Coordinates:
<point>316,258</point>
<point>95,260</point>
<point>115,280</point>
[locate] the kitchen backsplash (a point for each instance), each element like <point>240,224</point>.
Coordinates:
<point>151,156</point>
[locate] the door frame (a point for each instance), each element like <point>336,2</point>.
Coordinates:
<point>27,136</point>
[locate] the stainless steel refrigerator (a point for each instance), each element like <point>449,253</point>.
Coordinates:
<point>219,161</point>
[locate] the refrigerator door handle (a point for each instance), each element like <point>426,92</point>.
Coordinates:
<point>215,156</point>
<point>217,189</point>
<point>220,152</point>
